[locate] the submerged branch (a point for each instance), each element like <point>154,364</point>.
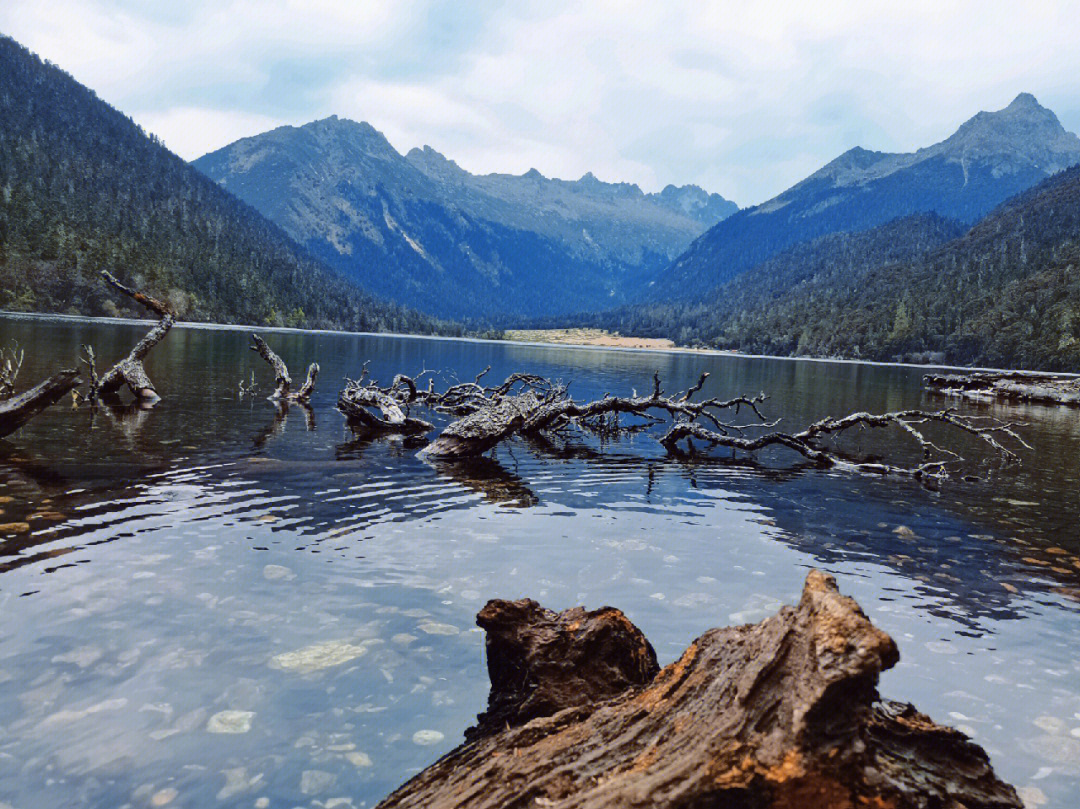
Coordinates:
<point>11,360</point>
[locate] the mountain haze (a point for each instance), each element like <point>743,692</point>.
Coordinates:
<point>990,158</point>
<point>423,231</point>
<point>83,188</point>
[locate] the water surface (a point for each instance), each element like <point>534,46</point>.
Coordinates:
<point>222,604</point>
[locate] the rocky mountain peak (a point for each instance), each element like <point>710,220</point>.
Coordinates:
<point>435,164</point>
<point>1025,132</point>
<point>1026,101</point>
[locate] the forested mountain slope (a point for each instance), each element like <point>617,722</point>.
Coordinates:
<point>1006,293</point>
<point>421,230</point>
<point>989,159</point>
<point>82,189</point>
<point>739,310</point>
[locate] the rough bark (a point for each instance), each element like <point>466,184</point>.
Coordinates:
<point>282,380</point>
<point>19,409</point>
<point>130,371</point>
<point>779,715</point>
<point>1013,386</point>
<point>478,432</point>
<point>541,662</point>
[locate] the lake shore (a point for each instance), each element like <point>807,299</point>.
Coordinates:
<point>671,349</point>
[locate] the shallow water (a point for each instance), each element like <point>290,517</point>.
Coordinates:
<point>217,604</point>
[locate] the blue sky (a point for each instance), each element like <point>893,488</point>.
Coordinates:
<point>741,98</point>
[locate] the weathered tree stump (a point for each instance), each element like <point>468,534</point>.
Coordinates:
<point>783,714</point>
<point>541,661</point>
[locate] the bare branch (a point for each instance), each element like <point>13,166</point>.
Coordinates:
<point>357,401</point>
<point>282,380</point>
<point>11,360</point>
<point>130,370</point>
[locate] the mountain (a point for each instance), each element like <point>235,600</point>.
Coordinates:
<point>83,188</point>
<point>748,312</point>
<point>992,157</point>
<point>421,230</point>
<point>1005,293</point>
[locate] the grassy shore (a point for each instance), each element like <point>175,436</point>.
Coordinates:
<point>586,337</point>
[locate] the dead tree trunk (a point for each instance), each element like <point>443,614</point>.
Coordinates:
<point>17,410</point>
<point>779,715</point>
<point>130,371</point>
<point>478,432</point>
<point>282,380</point>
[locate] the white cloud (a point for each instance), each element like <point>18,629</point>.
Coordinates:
<point>194,131</point>
<point>741,98</point>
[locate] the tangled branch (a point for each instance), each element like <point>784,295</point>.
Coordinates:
<point>533,406</point>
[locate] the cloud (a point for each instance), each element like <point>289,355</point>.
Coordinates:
<point>194,131</point>
<point>741,98</point>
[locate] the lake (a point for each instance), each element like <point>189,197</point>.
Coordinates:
<point>219,604</point>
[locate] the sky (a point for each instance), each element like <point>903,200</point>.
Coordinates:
<point>741,98</point>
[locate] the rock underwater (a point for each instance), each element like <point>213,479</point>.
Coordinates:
<point>783,714</point>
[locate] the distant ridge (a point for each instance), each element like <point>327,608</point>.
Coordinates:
<point>423,231</point>
<point>83,188</point>
<point>1004,293</point>
<point>991,157</point>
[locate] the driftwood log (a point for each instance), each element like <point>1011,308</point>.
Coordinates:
<point>1012,386</point>
<point>282,381</point>
<point>130,370</point>
<point>783,714</point>
<point>16,410</point>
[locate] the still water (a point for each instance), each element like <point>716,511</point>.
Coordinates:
<point>220,605</point>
